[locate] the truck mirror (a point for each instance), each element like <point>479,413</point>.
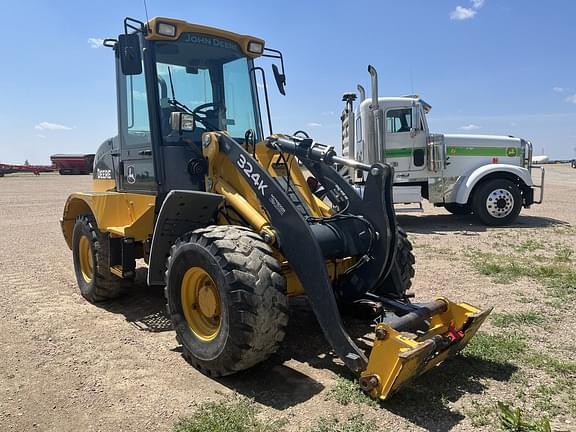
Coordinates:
<point>416,126</point>
<point>280,80</point>
<point>130,55</point>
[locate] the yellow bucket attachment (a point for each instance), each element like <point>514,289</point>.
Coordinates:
<point>398,357</point>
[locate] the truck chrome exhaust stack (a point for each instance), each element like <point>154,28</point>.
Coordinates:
<point>362,93</point>
<point>375,133</point>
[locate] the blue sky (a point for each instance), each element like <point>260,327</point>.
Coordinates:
<point>490,67</point>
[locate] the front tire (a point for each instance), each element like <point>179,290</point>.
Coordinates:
<point>497,202</point>
<point>399,280</point>
<point>226,299</point>
<point>90,249</point>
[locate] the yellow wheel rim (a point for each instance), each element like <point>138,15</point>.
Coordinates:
<point>86,262</point>
<point>201,303</point>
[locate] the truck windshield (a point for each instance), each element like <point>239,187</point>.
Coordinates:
<point>210,77</point>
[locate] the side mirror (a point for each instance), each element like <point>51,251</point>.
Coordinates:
<point>416,122</point>
<point>182,122</point>
<point>130,55</point>
<point>280,80</point>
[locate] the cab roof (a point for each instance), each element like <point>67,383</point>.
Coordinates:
<point>186,27</point>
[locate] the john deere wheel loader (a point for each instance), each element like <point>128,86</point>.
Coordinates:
<point>229,223</point>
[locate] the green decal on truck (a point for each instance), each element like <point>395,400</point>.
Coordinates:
<point>483,151</point>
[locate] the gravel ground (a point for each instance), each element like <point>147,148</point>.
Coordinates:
<point>68,365</point>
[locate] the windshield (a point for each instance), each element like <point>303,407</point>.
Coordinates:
<point>210,77</point>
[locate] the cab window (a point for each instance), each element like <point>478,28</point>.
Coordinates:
<point>399,120</point>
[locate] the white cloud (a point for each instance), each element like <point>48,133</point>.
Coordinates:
<point>558,89</point>
<point>469,127</point>
<point>314,124</point>
<point>41,136</point>
<point>462,13</point>
<point>51,126</point>
<point>328,113</point>
<point>95,42</point>
<point>571,99</point>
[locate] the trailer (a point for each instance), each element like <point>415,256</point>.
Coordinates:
<point>36,169</point>
<point>68,164</point>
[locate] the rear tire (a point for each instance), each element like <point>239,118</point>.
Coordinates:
<point>458,209</point>
<point>399,280</point>
<point>497,202</point>
<point>90,249</point>
<point>238,312</point>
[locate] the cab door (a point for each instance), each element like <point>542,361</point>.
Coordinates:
<point>136,169</point>
<point>405,145</point>
<point>398,140</point>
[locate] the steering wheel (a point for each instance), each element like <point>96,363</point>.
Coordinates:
<point>200,110</point>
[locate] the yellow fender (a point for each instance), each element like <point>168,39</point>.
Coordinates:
<point>119,214</point>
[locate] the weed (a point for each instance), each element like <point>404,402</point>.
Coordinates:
<point>354,423</point>
<point>511,420</point>
<point>517,318</point>
<point>497,348</point>
<point>346,391</point>
<point>235,415</point>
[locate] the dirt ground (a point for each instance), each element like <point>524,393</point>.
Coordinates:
<point>68,365</point>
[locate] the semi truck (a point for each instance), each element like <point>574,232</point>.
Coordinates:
<point>488,176</point>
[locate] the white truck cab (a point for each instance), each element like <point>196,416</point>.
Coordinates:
<point>489,176</point>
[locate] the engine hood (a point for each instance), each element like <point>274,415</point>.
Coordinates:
<point>469,140</point>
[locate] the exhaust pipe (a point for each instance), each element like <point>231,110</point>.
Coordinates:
<point>374,85</point>
<point>375,136</point>
<point>362,93</point>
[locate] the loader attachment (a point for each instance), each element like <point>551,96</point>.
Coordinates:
<point>403,350</point>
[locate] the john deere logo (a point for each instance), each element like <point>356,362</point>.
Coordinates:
<point>511,151</point>
<point>131,176</point>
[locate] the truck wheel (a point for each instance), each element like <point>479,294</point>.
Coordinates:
<point>399,280</point>
<point>458,209</point>
<point>226,299</point>
<point>497,202</point>
<point>90,249</point>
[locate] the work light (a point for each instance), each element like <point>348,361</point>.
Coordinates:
<point>255,47</point>
<point>165,29</point>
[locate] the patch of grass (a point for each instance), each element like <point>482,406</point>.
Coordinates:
<point>512,419</point>
<point>354,423</point>
<point>551,364</point>
<point>506,319</point>
<point>235,415</point>
<point>346,392</point>
<point>496,348</point>
<point>564,254</point>
<point>557,398</point>
<point>480,414</point>
<point>529,246</point>
<point>558,275</point>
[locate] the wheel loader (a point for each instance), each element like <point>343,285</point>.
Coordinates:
<point>232,222</point>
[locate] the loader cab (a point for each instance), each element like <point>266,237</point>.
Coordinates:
<point>176,81</point>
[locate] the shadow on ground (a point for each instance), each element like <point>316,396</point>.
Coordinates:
<point>143,307</point>
<point>277,384</point>
<point>447,223</point>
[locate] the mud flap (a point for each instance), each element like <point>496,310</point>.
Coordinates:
<point>397,358</point>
